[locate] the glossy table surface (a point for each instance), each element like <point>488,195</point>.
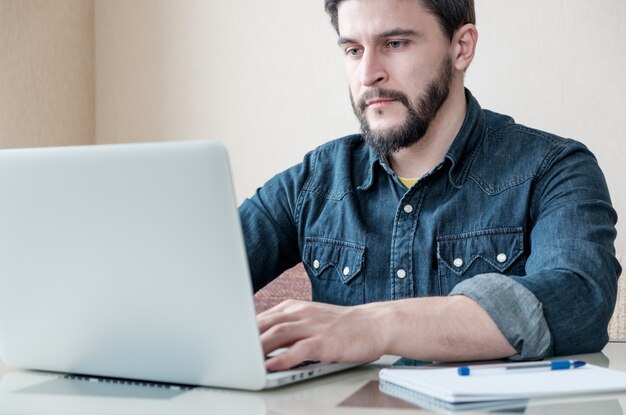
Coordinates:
<point>351,392</point>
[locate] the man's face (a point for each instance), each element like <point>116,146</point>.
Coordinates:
<point>399,69</point>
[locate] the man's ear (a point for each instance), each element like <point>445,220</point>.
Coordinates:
<point>464,46</point>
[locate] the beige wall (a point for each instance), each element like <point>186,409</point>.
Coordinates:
<point>46,73</point>
<point>153,70</point>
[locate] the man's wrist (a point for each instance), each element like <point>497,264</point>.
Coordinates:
<point>380,317</point>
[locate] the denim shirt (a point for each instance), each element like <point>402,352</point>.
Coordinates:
<point>517,219</point>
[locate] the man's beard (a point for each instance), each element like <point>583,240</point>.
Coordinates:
<point>420,113</point>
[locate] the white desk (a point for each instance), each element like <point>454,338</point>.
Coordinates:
<point>348,393</point>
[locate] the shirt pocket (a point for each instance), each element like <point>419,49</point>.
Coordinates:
<point>334,268</point>
<point>462,256</point>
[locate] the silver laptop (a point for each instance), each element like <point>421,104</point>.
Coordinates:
<point>128,261</point>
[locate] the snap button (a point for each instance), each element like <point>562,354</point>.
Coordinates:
<point>408,208</point>
<point>316,264</point>
<point>346,271</point>
<point>401,273</point>
<point>458,262</point>
<point>501,258</point>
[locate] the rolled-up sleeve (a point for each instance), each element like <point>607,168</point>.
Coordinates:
<point>515,310</point>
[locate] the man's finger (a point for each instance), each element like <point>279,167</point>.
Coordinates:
<point>293,356</point>
<point>286,311</point>
<point>283,335</point>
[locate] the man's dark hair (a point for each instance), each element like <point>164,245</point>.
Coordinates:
<point>451,14</point>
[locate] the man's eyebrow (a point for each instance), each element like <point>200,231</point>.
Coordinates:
<point>399,32</point>
<point>344,40</point>
<point>387,33</point>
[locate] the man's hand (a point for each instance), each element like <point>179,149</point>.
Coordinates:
<point>432,328</point>
<point>316,331</point>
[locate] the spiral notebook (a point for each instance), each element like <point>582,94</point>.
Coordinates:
<point>447,387</point>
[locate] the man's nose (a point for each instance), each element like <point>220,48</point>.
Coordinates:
<point>372,69</point>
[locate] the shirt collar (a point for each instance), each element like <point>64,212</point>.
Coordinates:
<point>463,149</point>
<point>373,159</point>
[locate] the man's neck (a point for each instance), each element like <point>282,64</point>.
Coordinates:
<point>423,156</point>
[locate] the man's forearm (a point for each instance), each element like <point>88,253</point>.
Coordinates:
<point>432,328</point>
<point>437,328</point>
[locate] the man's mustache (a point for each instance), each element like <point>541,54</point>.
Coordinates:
<point>382,93</point>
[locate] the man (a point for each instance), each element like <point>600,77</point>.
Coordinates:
<point>443,231</point>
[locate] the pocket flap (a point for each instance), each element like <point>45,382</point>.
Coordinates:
<point>344,257</point>
<point>499,247</point>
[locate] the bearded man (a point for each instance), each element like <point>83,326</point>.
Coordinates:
<point>442,231</point>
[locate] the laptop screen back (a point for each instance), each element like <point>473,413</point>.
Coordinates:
<point>126,261</point>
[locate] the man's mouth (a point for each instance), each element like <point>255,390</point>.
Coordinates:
<point>380,98</point>
<point>379,101</point>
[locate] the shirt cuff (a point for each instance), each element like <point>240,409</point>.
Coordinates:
<point>515,310</point>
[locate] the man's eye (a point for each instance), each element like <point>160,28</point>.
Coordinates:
<point>353,51</point>
<point>395,44</point>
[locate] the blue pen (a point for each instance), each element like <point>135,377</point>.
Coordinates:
<point>516,367</point>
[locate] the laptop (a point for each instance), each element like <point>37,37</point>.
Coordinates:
<point>128,261</point>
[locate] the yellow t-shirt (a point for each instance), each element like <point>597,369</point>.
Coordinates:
<point>407,182</point>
